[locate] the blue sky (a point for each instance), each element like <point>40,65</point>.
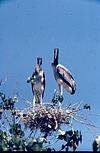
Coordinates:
<point>29,29</point>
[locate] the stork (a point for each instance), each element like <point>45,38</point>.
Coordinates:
<point>38,82</point>
<point>62,75</point>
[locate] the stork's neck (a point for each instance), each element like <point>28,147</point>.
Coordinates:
<point>54,70</point>
<point>38,68</point>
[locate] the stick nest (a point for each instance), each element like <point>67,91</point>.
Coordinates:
<point>47,118</point>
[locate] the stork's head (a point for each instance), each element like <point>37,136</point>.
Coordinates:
<point>38,64</point>
<point>39,61</point>
<point>56,55</point>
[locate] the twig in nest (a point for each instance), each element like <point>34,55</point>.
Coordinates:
<point>48,118</point>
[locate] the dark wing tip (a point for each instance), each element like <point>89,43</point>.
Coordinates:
<point>73,89</point>
<point>73,92</point>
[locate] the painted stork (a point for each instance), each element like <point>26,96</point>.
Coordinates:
<point>62,75</point>
<point>38,82</point>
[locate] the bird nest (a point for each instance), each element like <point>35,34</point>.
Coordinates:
<point>47,118</point>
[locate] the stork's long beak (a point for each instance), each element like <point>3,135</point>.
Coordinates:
<point>56,55</point>
<point>39,61</point>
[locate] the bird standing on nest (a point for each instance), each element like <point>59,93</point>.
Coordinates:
<point>63,76</point>
<point>38,82</point>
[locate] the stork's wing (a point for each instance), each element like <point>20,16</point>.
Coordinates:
<point>32,87</point>
<point>66,76</point>
<point>34,73</point>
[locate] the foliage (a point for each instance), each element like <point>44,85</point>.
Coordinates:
<point>96,144</point>
<point>45,120</point>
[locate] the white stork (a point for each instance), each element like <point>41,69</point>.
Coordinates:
<point>62,75</point>
<point>38,82</point>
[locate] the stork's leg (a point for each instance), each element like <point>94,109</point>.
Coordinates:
<point>61,90</point>
<point>33,101</point>
<point>59,105</point>
<point>61,95</point>
<point>41,100</point>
